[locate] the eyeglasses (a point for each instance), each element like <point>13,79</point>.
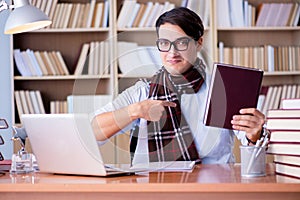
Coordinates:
<point>181,44</point>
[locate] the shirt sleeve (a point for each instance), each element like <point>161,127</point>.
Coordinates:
<point>241,135</point>
<point>136,93</point>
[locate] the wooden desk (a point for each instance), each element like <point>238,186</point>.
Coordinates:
<point>205,182</point>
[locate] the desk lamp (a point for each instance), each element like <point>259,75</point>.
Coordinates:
<point>24,17</point>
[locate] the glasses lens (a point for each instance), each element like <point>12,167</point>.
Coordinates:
<point>182,44</point>
<point>163,44</point>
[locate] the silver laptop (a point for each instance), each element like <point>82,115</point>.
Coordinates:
<point>65,144</point>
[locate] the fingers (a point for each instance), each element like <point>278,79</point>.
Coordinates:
<point>252,111</point>
<point>251,121</point>
<point>168,104</point>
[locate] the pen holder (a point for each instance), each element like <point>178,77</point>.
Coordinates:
<point>253,161</point>
<point>22,162</point>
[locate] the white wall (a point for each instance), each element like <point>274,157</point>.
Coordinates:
<point>6,86</point>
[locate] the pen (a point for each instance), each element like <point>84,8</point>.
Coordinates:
<point>253,156</point>
<point>264,143</point>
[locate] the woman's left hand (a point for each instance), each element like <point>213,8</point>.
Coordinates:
<point>251,121</point>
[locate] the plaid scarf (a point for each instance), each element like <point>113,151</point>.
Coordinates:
<point>170,138</point>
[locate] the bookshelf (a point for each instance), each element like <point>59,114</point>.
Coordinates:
<point>69,40</point>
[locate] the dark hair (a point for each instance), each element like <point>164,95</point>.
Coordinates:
<point>185,18</point>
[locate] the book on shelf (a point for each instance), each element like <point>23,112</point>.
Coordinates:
<point>67,16</point>
<point>155,8</point>
<point>98,17</point>
<point>19,103</point>
<point>139,15</point>
<point>41,63</point>
<point>201,8</point>
<point>231,89</point>
<point>132,17</point>
<point>24,71</point>
<point>61,62</point>
<point>125,12</point>
<point>74,15</point>
<point>52,9</point>
<point>29,102</point>
<point>85,15</point>
<point>236,13</point>
<point>91,13</point>
<point>82,59</point>
<point>48,7</point>
<point>34,62</point>
<point>28,63</point>
<point>105,21</point>
<point>145,16</point>
<point>287,170</point>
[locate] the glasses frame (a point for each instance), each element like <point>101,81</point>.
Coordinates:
<point>173,43</point>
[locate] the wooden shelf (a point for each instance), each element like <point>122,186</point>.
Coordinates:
<point>70,77</point>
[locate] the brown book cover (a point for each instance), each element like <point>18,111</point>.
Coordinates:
<point>232,88</point>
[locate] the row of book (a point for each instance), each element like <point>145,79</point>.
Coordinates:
<point>75,15</point>
<point>278,14</point>
<point>135,60</point>
<point>240,13</point>
<point>58,107</point>
<point>269,58</point>
<point>94,59</point>
<point>29,102</point>
<point>40,63</point>
<point>272,96</point>
<point>284,127</point>
<point>135,14</point>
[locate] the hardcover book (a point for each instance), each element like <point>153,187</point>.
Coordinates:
<point>232,88</point>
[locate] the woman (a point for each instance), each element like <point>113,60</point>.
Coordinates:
<point>165,115</point>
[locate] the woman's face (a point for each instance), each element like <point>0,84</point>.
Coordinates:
<point>176,61</point>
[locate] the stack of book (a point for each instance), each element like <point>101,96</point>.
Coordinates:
<point>284,125</point>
